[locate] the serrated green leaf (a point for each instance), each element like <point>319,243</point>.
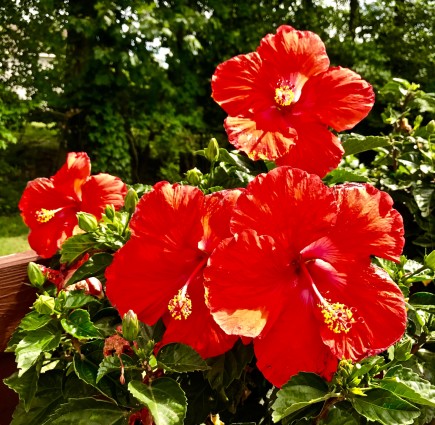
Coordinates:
<point>26,384</point>
<point>405,383</point>
<point>180,358</point>
<point>87,371</point>
<point>95,266</point>
<point>423,301</point>
<point>341,176</point>
<point>164,398</point>
<point>76,246</point>
<point>88,411</point>
<point>113,364</point>
<point>301,391</point>
<point>339,416</point>
<point>386,408</point>
<point>423,197</point>
<point>429,260</point>
<point>47,398</point>
<point>224,369</point>
<point>33,320</point>
<point>34,343</point>
<point>356,143</point>
<point>79,325</point>
<point>76,299</point>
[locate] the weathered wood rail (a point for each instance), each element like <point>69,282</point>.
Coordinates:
<point>16,296</point>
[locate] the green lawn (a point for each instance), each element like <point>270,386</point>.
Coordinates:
<point>13,235</point>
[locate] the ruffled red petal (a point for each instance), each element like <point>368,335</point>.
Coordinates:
<point>236,86</point>
<point>377,306</point>
<point>199,330</point>
<point>293,207</point>
<point>73,174</point>
<point>295,55</point>
<point>265,135</point>
<point>338,98</point>
<point>238,280</point>
<point>367,214</point>
<point>316,150</point>
<point>102,190</point>
<point>294,345</point>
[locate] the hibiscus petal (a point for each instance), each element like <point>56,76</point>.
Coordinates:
<point>261,136</point>
<point>102,190</point>
<point>238,282</point>
<point>216,214</point>
<point>316,150</point>
<point>161,254</point>
<point>236,86</point>
<point>294,344</point>
<point>378,311</point>
<point>288,204</point>
<point>295,55</point>
<point>367,214</point>
<point>73,174</point>
<point>338,97</point>
<point>208,339</point>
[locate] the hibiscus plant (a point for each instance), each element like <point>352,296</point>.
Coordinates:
<point>271,289</point>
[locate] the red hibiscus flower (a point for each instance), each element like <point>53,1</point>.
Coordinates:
<point>282,98</point>
<point>49,206</point>
<point>297,275</point>
<point>159,271</point>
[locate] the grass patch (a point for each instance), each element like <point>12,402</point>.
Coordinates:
<point>13,235</point>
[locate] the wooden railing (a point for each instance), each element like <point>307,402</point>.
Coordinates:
<point>16,296</point>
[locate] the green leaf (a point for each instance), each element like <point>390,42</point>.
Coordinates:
<point>26,384</point>
<point>405,383</point>
<point>301,391</point>
<point>339,416</point>
<point>386,408</point>
<point>423,197</point>
<point>164,398</point>
<point>340,176</point>
<point>227,367</point>
<point>423,301</point>
<point>79,325</point>
<point>356,143</point>
<point>95,266</point>
<point>48,396</point>
<point>113,364</point>
<point>429,260</point>
<point>88,411</point>
<point>180,358</point>
<point>76,299</point>
<point>33,320</point>
<point>34,343</point>
<point>76,246</point>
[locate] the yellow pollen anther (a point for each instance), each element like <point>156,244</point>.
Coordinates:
<point>337,317</point>
<point>284,95</point>
<point>43,215</point>
<point>180,306</point>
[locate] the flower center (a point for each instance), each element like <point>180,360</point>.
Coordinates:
<point>180,306</point>
<point>338,318</point>
<point>284,95</point>
<point>43,215</point>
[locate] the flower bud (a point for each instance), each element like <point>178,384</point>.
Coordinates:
<point>87,222</point>
<point>36,276</point>
<point>211,152</point>
<point>131,200</point>
<point>110,212</point>
<point>44,304</point>
<point>130,326</point>
<point>430,127</point>
<point>194,176</point>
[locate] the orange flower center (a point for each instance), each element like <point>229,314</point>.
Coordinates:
<point>337,316</point>
<point>284,95</point>
<point>43,215</point>
<point>180,306</point>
